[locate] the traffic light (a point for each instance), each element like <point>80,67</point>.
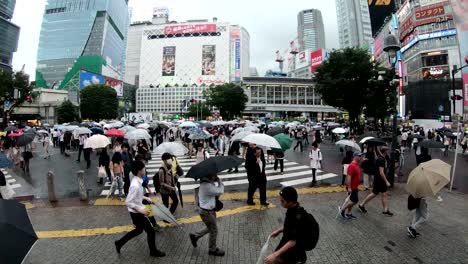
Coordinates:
<point>177,116</point>
<point>456,97</point>
<point>28,98</point>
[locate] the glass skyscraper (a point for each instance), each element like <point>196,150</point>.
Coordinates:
<point>310,30</point>
<point>9,34</point>
<point>77,34</point>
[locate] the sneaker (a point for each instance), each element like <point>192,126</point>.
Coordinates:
<point>342,213</point>
<point>117,247</point>
<point>158,254</point>
<point>193,239</point>
<point>387,213</point>
<point>218,252</point>
<point>362,208</point>
<point>250,203</point>
<point>411,232</point>
<point>351,217</point>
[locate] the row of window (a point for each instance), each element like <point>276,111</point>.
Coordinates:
<point>204,34</point>
<point>55,10</point>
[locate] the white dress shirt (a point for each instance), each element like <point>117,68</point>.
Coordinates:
<point>207,194</point>
<point>135,195</point>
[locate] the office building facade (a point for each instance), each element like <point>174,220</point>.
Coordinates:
<point>81,34</point>
<point>9,33</point>
<point>310,30</point>
<point>354,25</point>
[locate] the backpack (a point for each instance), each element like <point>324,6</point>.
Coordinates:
<point>309,230</point>
<point>156,183</point>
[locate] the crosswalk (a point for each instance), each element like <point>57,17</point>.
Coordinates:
<point>10,180</point>
<point>294,174</point>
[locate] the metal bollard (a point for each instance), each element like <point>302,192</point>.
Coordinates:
<point>51,186</point>
<point>82,186</point>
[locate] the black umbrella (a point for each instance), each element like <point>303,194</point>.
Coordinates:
<point>10,128</point>
<point>18,235</point>
<point>275,131</point>
<point>431,144</point>
<point>449,134</point>
<point>418,136</point>
<point>97,130</point>
<point>443,129</point>
<point>213,165</point>
<point>180,194</point>
<point>26,138</point>
<point>368,134</point>
<point>375,142</point>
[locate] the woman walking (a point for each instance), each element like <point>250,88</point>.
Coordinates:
<point>315,161</point>
<point>368,166</point>
<point>117,173</point>
<point>104,161</point>
<point>138,212</point>
<point>45,145</point>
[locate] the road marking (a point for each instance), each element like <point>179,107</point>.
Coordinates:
<point>308,180</point>
<point>241,168</point>
<point>126,228</point>
<point>11,180</point>
<point>14,186</point>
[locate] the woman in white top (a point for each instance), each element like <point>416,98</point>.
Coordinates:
<point>201,154</point>
<point>315,161</point>
<point>45,144</point>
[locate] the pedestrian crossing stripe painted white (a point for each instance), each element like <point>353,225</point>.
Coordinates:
<point>241,168</point>
<point>11,180</point>
<point>14,186</point>
<point>8,176</point>
<point>308,180</point>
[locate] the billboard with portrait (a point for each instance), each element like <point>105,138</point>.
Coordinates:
<point>208,60</point>
<point>115,84</point>
<point>168,65</point>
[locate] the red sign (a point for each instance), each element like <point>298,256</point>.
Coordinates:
<point>191,28</point>
<point>315,60</point>
<point>201,80</point>
<point>430,11</point>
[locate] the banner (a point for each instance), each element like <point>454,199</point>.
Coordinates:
<point>168,66</point>
<point>238,60</point>
<point>315,60</point>
<point>208,60</point>
<point>89,78</point>
<point>116,84</point>
<point>460,13</point>
<point>140,117</point>
<point>191,28</point>
<point>303,59</point>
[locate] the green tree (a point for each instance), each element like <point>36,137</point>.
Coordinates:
<point>9,82</point>
<point>67,112</point>
<point>199,109</point>
<point>343,81</point>
<point>229,98</point>
<point>98,102</point>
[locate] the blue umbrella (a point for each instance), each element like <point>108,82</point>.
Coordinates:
<point>4,161</point>
<point>97,130</point>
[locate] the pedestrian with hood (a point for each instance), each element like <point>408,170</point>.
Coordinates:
<point>138,212</point>
<point>168,182</point>
<point>381,183</point>
<point>300,232</point>
<point>210,188</point>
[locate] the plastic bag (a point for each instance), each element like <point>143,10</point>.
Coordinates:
<point>264,251</point>
<point>102,172</point>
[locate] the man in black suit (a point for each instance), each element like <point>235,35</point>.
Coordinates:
<point>255,166</point>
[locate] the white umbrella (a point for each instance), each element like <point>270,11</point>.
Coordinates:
<point>70,128</point>
<point>237,130</point>
<point>174,148</point>
<point>108,126</point>
<point>365,139</point>
<point>262,140</point>
<point>143,126</point>
<point>339,130</point>
<point>138,134</point>
<point>281,123</point>
<point>117,124</point>
<point>252,129</point>
<point>240,135</point>
<point>83,130</point>
<point>42,131</point>
<point>291,125</point>
<point>232,122</point>
<point>218,123</point>
<point>188,124</point>
<point>349,143</point>
<point>97,141</point>
<point>163,213</point>
<point>127,129</point>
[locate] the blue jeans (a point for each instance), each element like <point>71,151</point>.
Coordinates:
<point>118,181</point>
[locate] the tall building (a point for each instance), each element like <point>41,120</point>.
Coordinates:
<point>81,35</point>
<point>310,30</point>
<point>9,33</point>
<point>354,26</point>
<point>379,12</point>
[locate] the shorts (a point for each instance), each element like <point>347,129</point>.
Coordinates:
<point>379,187</point>
<point>354,197</point>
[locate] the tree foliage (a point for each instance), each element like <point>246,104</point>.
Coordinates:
<point>9,81</point>
<point>67,112</point>
<point>98,102</point>
<point>199,109</point>
<point>229,98</point>
<point>345,81</point>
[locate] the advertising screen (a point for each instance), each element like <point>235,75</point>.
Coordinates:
<point>168,66</point>
<point>89,78</point>
<point>208,60</point>
<point>116,84</point>
<point>191,28</point>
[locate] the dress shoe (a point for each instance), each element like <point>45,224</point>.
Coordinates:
<point>117,247</point>
<point>193,239</point>
<point>250,203</point>
<point>218,252</point>
<point>158,254</point>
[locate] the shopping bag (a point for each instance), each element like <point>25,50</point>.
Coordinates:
<point>102,172</point>
<point>264,251</point>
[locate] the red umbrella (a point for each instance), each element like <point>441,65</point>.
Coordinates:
<point>19,130</point>
<point>114,133</point>
<point>14,135</point>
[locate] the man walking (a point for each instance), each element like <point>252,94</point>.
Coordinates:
<point>380,184</point>
<point>353,179</point>
<point>168,183</point>
<point>220,145</point>
<point>127,159</point>
<point>81,144</point>
<point>288,250</point>
<point>210,188</point>
<point>258,178</point>
<point>138,212</point>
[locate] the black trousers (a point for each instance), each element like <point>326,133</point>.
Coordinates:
<point>62,146</point>
<point>175,201</point>
<point>299,144</point>
<point>126,179</point>
<point>281,163</point>
<point>141,223</point>
<point>253,185</point>
<point>314,173</point>
<point>86,155</point>
<point>80,149</point>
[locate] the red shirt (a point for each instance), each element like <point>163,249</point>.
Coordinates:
<point>355,172</point>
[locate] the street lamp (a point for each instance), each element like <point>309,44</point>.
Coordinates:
<point>391,47</point>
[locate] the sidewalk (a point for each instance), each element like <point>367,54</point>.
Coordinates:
<point>372,238</point>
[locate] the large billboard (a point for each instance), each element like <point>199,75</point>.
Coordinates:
<point>237,60</point>
<point>168,65</point>
<point>378,11</point>
<point>191,28</point>
<point>140,117</point>
<point>303,59</point>
<point>208,60</point>
<point>460,13</point>
<point>316,60</point>
<point>90,78</point>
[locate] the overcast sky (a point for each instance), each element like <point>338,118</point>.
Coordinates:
<point>271,24</point>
